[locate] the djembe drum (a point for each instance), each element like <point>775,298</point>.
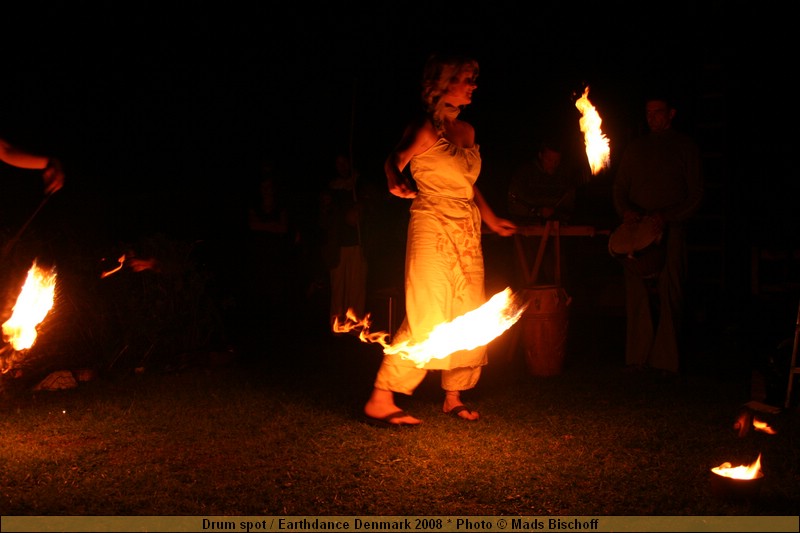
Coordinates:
<point>640,246</point>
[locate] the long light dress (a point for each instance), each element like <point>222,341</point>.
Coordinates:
<point>444,270</point>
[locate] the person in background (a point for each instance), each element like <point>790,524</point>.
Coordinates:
<point>543,189</point>
<point>271,248</point>
<point>343,219</point>
<point>660,177</point>
<point>444,272</point>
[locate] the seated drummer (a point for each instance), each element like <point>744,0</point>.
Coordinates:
<point>543,188</point>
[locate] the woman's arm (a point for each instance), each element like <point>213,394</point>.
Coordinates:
<point>417,138</point>
<point>53,174</point>
<point>17,157</point>
<point>501,226</point>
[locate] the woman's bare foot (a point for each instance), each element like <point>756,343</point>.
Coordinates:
<point>452,400</point>
<point>381,407</point>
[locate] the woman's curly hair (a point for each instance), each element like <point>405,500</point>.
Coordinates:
<point>439,72</point>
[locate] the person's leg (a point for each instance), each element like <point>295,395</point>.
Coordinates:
<point>393,376</point>
<point>337,289</point>
<point>453,382</point>
<point>639,330</point>
<point>381,406</point>
<point>666,348</point>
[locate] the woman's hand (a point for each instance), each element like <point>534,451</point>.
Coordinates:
<point>503,227</point>
<point>53,176</point>
<point>402,189</point>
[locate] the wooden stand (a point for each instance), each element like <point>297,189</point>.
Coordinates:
<point>793,368</point>
<point>550,228</point>
<point>545,320</point>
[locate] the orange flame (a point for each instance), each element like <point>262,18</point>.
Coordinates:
<point>746,421</point>
<point>468,331</point>
<point>109,272</point>
<point>740,472</point>
<point>763,427</point>
<point>596,142</point>
<point>33,303</point>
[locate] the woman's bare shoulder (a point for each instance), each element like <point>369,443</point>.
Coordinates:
<point>419,135</point>
<point>462,134</point>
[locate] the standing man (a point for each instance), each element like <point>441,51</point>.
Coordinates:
<point>659,177</point>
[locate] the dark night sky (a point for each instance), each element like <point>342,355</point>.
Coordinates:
<point>161,111</point>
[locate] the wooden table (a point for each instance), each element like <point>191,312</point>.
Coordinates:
<point>545,231</point>
<point>544,335</point>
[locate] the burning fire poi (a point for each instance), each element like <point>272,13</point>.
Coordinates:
<point>596,142</point>
<point>121,261</point>
<point>752,471</point>
<point>134,263</point>
<point>35,300</point>
<point>468,331</point>
<point>763,427</point>
<point>746,420</point>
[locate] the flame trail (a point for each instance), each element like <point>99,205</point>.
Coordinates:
<point>739,472</point>
<point>468,331</point>
<point>117,269</point>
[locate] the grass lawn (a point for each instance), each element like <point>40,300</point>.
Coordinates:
<point>277,431</point>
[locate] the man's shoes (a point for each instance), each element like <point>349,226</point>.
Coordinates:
<point>665,376</point>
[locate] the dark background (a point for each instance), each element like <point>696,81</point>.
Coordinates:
<point>163,111</point>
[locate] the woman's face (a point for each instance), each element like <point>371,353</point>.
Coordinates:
<point>459,92</point>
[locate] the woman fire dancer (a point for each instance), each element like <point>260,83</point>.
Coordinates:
<point>444,272</point>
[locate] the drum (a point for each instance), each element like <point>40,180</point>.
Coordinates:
<point>640,247</point>
<point>545,323</point>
